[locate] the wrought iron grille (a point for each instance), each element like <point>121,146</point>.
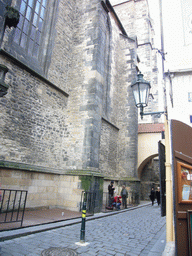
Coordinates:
<point>12,205</point>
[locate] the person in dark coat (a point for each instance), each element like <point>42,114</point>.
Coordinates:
<point>152,196</point>
<point>158,195</point>
<point>111,189</point>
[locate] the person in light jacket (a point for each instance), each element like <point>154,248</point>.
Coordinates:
<point>158,195</point>
<point>124,195</point>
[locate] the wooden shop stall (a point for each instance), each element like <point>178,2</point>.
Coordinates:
<point>181,138</point>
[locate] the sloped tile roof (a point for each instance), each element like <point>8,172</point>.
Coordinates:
<point>150,128</point>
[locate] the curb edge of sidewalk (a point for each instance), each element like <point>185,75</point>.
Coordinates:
<point>14,233</point>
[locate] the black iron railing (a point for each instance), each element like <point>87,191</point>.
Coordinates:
<point>12,205</point>
<point>88,197</point>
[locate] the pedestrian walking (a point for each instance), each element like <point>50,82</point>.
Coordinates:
<point>152,196</point>
<point>158,195</point>
<point>124,195</point>
<point>111,189</point>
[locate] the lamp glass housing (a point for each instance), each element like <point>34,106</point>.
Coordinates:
<point>141,90</point>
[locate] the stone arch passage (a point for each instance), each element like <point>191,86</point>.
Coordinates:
<point>148,173</point>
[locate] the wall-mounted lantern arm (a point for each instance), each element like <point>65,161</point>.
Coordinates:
<point>158,113</point>
<point>141,90</point>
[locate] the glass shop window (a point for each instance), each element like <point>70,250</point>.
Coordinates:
<point>184,182</point>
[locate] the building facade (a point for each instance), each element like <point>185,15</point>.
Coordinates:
<point>178,68</point>
<point>68,120</point>
<point>139,22</point>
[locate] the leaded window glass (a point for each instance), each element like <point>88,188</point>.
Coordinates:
<point>28,33</point>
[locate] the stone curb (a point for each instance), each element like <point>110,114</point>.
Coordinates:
<point>169,249</point>
<point>10,234</point>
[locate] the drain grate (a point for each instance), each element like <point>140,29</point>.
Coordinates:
<point>59,251</point>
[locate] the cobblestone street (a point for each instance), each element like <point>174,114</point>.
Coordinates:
<point>129,233</point>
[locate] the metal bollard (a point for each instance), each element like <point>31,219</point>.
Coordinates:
<point>82,233</point>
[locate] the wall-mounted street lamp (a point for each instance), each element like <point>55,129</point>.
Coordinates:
<point>3,86</point>
<point>141,90</point>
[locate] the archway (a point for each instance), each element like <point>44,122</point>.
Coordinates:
<point>148,173</point>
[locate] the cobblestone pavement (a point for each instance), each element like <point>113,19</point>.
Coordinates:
<point>129,233</point>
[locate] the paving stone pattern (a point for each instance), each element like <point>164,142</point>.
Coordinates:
<point>128,233</point>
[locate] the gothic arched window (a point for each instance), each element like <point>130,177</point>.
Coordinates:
<point>28,33</point>
<point>31,41</point>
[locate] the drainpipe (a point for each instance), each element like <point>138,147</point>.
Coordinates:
<point>169,187</point>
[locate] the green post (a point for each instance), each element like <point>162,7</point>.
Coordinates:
<point>82,234</point>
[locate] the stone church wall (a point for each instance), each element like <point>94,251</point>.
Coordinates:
<point>34,128</point>
<point>44,189</point>
<point>108,149</point>
<point>73,115</point>
<point>136,19</point>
